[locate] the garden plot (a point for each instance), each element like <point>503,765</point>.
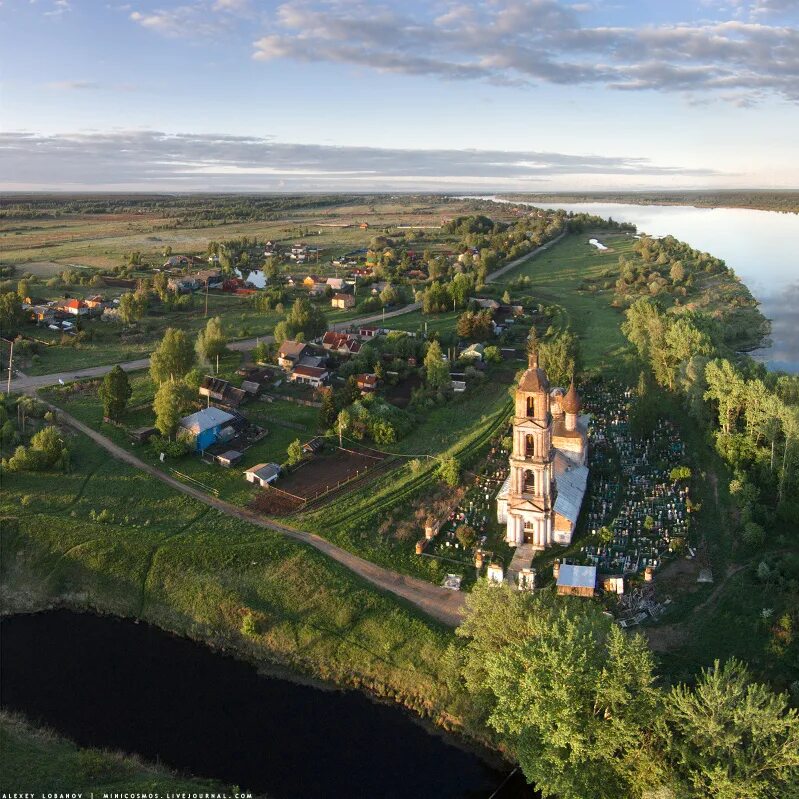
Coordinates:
<point>317,478</point>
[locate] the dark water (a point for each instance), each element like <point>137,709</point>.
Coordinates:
<point>120,685</point>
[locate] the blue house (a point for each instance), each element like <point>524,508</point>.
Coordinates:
<point>208,426</point>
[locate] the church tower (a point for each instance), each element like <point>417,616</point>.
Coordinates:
<point>531,494</point>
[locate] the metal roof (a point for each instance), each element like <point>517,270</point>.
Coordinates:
<point>264,471</point>
<point>570,481</point>
<point>577,576</point>
<point>205,419</point>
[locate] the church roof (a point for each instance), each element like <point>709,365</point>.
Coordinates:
<point>534,379</point>
<point>571,482</point>
<point>571,403</point>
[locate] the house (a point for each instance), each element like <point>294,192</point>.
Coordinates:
<point>95,303</point>
<point>576,580</point>
<point>43,313</point>
<point>73,306</point>
<point>221,391</point>
<point>364,226</point>
<point>379,286</point>
<point>343,301</point>
<point>335,283</point>
<point>366,382</point>
<point>290,353</point>
<point>209,278</point>
<point>176,261</point>
<point>486,303</point>
<point>183,284</point>
<point>368,332</point>
<point>209,426</point>
<point>314,446</point>
<point>263,474</point>
<point>309,375</point>
<point>341,343</point>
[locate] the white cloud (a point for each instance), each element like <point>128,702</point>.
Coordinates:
<point>540,41</point>
<point>222,162</point>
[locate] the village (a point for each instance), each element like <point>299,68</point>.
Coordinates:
<point>303,422</point>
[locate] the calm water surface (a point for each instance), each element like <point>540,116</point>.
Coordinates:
<point>117,684</point>
<point>761,246</point>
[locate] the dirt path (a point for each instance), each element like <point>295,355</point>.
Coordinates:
<point>441,604</point>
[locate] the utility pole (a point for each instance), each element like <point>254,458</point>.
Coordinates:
<point>217,363</point>
<point>10,362</point>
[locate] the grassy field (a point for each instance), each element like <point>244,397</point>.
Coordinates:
<point>38,761</point>
<point>167,559</point>
<point>555,278</point>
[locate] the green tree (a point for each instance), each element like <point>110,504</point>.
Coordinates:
<point>212,341</point>
<point>328,412</point>
<point>449,471</point>
<point>559,355</point>
<point>436,369</point>
<point>172,400</point>
<point>294,452</point>
<point>132,307</point>
<point>466,535</point>
<point>173,357</point>
<point>115,391</point>
<point>260,352</point>
<point>570,694</point>
<point>730,737</point>
<point>10,313</point>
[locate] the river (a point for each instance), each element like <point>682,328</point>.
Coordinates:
<point>762,247</point>
<point>117,684</point>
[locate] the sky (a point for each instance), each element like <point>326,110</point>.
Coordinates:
<point>362,95</point>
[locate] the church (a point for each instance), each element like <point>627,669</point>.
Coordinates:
<point>540,501</point>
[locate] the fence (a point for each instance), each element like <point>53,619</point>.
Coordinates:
<point>214,491</point>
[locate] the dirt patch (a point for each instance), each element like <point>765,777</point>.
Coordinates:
<point>400,395</point>
<point>329,470</point>
<point>678,578</point>
<point>273,502</point>
<point>665,638</point>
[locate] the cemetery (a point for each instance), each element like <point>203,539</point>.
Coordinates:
<point>636,514</point>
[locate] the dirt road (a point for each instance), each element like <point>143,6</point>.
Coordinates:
<point>439,603</point>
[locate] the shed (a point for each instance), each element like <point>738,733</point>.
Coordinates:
<point>576,580</point>
<point>314,446</point>
<point>263,474</point>
<point>229,458</point>
<point>143,434</point>
<point>251,387</point>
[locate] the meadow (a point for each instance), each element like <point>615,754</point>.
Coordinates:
<point>108,538</point>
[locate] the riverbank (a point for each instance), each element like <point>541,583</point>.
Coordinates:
<point>779,201</point>
<point>38,761</point>
<point>164,558</point>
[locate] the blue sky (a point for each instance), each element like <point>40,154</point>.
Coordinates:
<point>355,94</point>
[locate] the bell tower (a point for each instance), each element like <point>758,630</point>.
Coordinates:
<point>531,488</point>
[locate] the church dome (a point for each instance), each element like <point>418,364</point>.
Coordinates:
<point>571,403</point>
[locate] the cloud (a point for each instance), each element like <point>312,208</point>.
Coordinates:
<point>73,85</point>
<point>529,42</point>
<point>154,160</point>
<point>207,18</point>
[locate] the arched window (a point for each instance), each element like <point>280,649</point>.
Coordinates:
<point>531,406</point>
<point>529,446</point>
<point>529,481</point>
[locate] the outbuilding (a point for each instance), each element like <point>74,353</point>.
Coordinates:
<point>263,474</point>
<point>576,580</point>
